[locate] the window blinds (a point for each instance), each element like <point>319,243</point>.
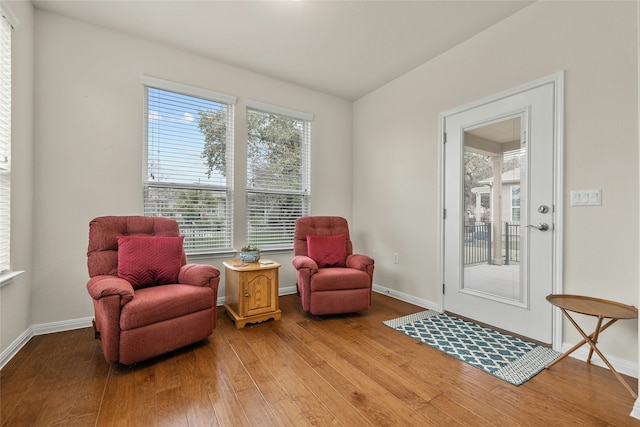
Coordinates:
<point>188,166</point>
<point>278,177</point>
<point>5,145</point>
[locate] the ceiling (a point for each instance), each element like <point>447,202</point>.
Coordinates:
<point>342,48</point>
<point>500,132</point>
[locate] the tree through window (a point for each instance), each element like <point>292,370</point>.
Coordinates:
<point>277,177</point>
<point>182,181</point>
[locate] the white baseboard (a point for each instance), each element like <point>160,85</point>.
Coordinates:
<point>622,366</point>
<point>64,325</point>
<point>68,325</point>
<point>15,346</point>
<point>288,290</point>
<point>635,412</point>
<point>41,329</point>
<point>406,297</point>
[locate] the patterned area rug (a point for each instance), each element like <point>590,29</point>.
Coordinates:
<point>508,358</point>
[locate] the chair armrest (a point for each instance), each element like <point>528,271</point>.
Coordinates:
<point>199,275</point>
<point>360,262</point>
<point>305,268</point>
<point>104,286</point>
<point>301,261</point>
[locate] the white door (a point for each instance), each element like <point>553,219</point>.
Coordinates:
<point>501,205</point>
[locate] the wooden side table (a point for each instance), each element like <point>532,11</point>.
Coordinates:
<point>251,291</point>
<point>600,308</point>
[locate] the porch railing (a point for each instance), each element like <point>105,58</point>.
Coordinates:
<point>478,243</point>
<point>511,243</point>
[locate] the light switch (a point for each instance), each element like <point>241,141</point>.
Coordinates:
<point>575,198</point>
<point>594,197</point>
<point>586,197</point>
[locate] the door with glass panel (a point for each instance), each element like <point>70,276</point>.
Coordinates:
<point>499,198</point>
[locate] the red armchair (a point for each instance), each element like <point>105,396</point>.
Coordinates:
<point>331,279</point>
<point>147,300</point>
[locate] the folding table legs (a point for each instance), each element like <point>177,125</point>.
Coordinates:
<point>592,340</point>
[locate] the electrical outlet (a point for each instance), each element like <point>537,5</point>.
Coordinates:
<point>395,258</point>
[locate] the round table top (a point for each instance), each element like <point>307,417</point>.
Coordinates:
<point>593,306</point>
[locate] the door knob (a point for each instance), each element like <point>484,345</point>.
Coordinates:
<point>543,226</point>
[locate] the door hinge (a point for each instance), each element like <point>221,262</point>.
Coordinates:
<point>444,138</point>
<point>444,214</point>
<point>443,289</point>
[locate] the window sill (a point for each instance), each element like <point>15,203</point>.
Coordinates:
<point>195,256</point>
<point>209,255</point>
<point>6,278</point>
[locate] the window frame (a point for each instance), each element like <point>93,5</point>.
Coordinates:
<point>514,207</point>
<point>305,191</point>
<point>191,91</point>
<point>9,23</point>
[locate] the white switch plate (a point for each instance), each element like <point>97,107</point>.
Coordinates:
<point>586,197</point>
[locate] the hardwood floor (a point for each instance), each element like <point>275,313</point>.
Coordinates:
<point>341,371</point>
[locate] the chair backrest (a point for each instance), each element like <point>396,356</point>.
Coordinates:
<point>319,226</point>
<point>102,254</point>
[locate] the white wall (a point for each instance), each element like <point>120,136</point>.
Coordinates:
<point>396,141</point>
<point>81,155</point>
<point>15,297</point>
<point>88,145</point>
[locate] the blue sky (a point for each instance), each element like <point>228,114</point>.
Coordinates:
<point>174,138</point>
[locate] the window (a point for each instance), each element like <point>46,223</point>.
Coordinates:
<point>188,162</point>
<point>515,203</point>
<point>278,177</point>
<point>5,142</point>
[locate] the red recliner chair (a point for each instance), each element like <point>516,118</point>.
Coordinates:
<point>331,279</point>
<point>147,300</point>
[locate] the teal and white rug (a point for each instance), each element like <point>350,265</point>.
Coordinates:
<point>508,358</point>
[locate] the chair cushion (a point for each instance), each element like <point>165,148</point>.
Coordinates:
<point>327,251</point>
<point>102,252</point>
<point>149,260</point>
<point>333,279</point>
<point>157,303</point>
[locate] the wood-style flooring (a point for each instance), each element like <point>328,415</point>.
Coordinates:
<point>300,371</point>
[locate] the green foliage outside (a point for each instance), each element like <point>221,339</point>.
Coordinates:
<point>274,170</point>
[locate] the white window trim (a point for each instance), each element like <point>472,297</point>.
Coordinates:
<point>8,18</point>
<point>306,166</point>
<point>7,277</point>
<point>269,108</point>
<point>187,90</point>
<point>511,187</point>
<point>6,11</point>
<point>167,85</point>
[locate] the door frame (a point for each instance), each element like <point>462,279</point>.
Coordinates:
<point>557,80</point>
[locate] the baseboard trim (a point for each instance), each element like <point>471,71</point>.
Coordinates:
<point>41,329</point>
<point>69,325</point>
<point>288,290</point>
<point>15,347</point>
<point>635,412</point>
<point>623,366</point>
<point>64,325</point>
<point>406,297</point>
